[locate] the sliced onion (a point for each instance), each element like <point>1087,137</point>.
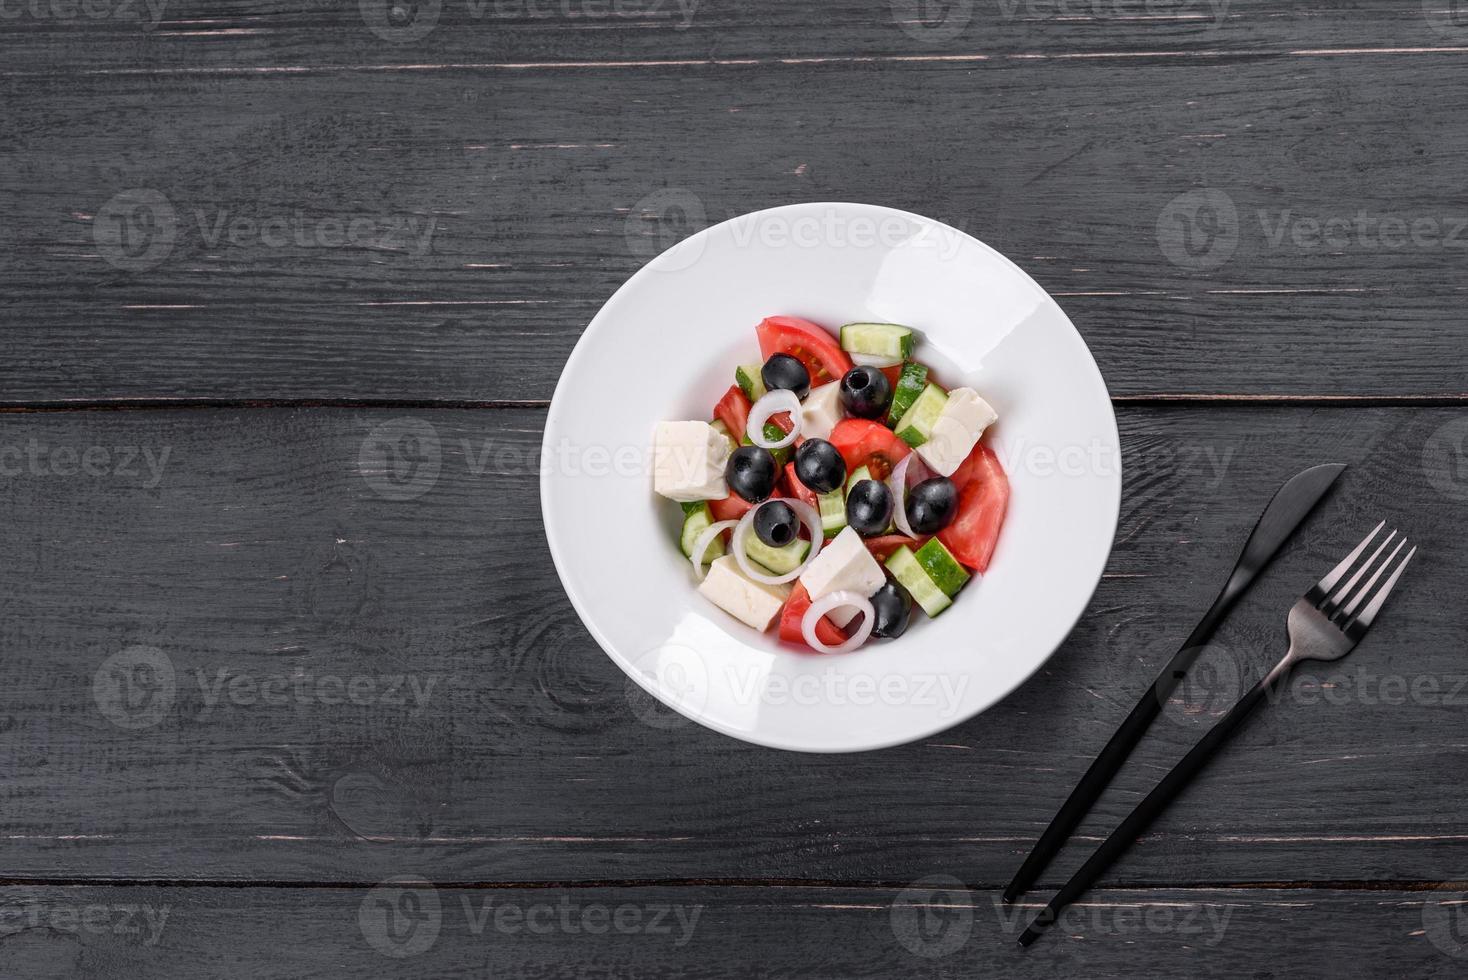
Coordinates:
<point>836,600</point>
<point>773,403</point>
<point>704,539</point>
<point>812,520</point>
<point>897,483</point>
<point>874,360</point>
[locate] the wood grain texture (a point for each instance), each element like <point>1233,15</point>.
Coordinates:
<point>709,932</point>
<point>453,719</point>
<point>499,207</point>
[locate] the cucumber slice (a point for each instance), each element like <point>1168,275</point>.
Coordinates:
<point>696,519</point>
<point>833,512</point>
<point>748,378</point>
<point>903,565</point>
<point>878,340</point>
<point>910,384</point>
<point>857,475</point>
<point>777,560</point>
<point>773,433</point>
<point>916,423</point>
<point>942,568</point>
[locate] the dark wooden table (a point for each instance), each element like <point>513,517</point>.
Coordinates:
<point>244,684</point>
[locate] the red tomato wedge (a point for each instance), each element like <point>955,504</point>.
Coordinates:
<point>893,373</point>
<point>883,546</point>
<point>983,496</point>
<point>733,411</point>
<point>809,343</point>
<point>731,508</point>
<point>799,490</point>
<point>863,442</point>
<point>795,606</point>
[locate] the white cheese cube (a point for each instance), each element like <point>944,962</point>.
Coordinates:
<point>688,460</point>
<point>956,431</point>
<point>748,601</point>
<point>820,411</point>
<point>844,564</point>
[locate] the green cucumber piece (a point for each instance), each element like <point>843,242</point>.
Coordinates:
<point>719,427</point>
<point>833,512</point>
<point>857,475</point>
<point>696,519</point>
<point>748,377</point>
<point>916,423</point>
<point>777,560</point>
<point>877,339</point>
<point>773,433</point>
<point>903,565</point>
<point>910,384</point>
<point>942,568</point>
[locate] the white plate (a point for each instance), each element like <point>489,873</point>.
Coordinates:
<point>665,347</point>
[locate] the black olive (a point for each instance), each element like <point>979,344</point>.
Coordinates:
<point>775,523</point>
<point>931,505</point>
<point>865,392</point>
<point>819,465</point>
<point>784,371</point>
<point>751,473</point>
<point>869,507</point>
<point>892,610</point>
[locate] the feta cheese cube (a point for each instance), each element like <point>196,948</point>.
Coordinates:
<point>688,461</point>
<point>956,431</point>
<point>843,564</point>
<point>820,411</point>
<point>748,601</point>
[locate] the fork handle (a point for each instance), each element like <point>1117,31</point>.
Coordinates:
<point>1156,801</point>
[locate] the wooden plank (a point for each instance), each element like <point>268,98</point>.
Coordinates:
<point>917,931</point>
<point>498,208</point>
<point>453,718</point>
<point>61,39</point>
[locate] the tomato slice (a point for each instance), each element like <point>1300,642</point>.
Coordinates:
<point>883,546</point>
<point>807,342</point>
<point>795,606</point>
<point>863,442</point>
<point>799,490</point>
<point>731,508</point>
<point>893,373</point>
<point>983,497</point>
<point>733,411</point>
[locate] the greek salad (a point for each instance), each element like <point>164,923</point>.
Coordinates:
<point>837,485</point>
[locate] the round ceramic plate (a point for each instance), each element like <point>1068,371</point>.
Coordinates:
<point>665,347</point>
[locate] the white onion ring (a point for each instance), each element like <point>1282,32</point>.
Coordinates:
<point>808,515</point>
<point>773,403</point>
<point>897,483</point>
<point>835,600</point>
<point>704,539</point>
<point>873,360</point>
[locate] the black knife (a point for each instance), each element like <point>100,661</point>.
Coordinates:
<point>1285,512</point>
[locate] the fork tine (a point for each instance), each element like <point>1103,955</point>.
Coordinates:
<point>1323,587</point>
<point>1330,607</point>
<point>1365,590</point>
<point>1369,613</point>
